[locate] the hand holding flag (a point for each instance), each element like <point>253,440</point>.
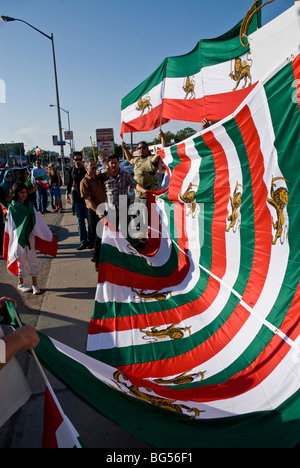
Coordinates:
<point>58,431</point>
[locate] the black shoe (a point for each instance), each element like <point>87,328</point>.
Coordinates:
<point>81,247</point>
<point>46,211</point>
<point>93,260</point>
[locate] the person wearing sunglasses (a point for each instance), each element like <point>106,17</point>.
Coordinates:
<point>146,172</point>
<point>146,166</point>
<point>77,174</point>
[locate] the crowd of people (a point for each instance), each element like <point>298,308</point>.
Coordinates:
<point>94,195</point>
<point>97,195</point>
<point>38,181</point>
<point>27,196</point>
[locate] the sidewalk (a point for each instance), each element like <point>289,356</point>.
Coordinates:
<point>66,309</point>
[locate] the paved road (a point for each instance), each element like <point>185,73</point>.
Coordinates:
<point>62,311</point>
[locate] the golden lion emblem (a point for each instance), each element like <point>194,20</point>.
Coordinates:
<point>236,203</point>
<point>241,71</point>
<point>182,379</point>
<point>279,200</point>
<point>155,295</point>
<point>189,198</point>
<point>123,382</point>
<point>189,88</point>
<point>143,104</point>
<point>173,332</point>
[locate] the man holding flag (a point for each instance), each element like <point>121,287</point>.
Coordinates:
<point>39,177</point>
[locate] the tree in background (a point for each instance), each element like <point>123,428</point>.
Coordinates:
<point>175,137</point>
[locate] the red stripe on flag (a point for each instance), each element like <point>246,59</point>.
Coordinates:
<point>246,380</point>
<point>192,110</point>
<point>154,238</point>
<point>13,268</point>
<point>219,106</point>
<point>179,173</point>
<point>149,121</point>
<point>47,248</point>
<point>52,420</point>
<point>5,245</point>
<point>122,277</point>
<point>262,215</point>
<point>212,107</point>
<point>221,198</point>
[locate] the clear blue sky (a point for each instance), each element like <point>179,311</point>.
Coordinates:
<point>104,49</point>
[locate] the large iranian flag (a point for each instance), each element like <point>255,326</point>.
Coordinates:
<point>208,82</point>
<point>21,221</point>
<point>194,341</point>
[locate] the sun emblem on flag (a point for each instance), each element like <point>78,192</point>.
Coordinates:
<point>241,71</point>
<point>189,88</point>
<point>144,104</point>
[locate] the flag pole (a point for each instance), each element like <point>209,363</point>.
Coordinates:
<point>76,442</point>
<point>93,149</point>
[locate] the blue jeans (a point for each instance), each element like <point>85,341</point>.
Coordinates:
<point>85,236</point>
<point>41,198</point>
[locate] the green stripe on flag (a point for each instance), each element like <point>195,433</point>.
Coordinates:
<point>164,428</point>
<point>24,218</point>
<point>283,108</point>
<point>247,228</point>
<point>137,264</point>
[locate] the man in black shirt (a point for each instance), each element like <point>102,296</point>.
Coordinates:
<point>77,173</point>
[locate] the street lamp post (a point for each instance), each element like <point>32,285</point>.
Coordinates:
<point>7,19</point>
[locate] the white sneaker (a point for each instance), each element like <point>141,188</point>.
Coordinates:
<point>24,288</point>
<point>36,290</point>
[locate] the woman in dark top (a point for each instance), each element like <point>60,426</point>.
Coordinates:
<point>55,184</point>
